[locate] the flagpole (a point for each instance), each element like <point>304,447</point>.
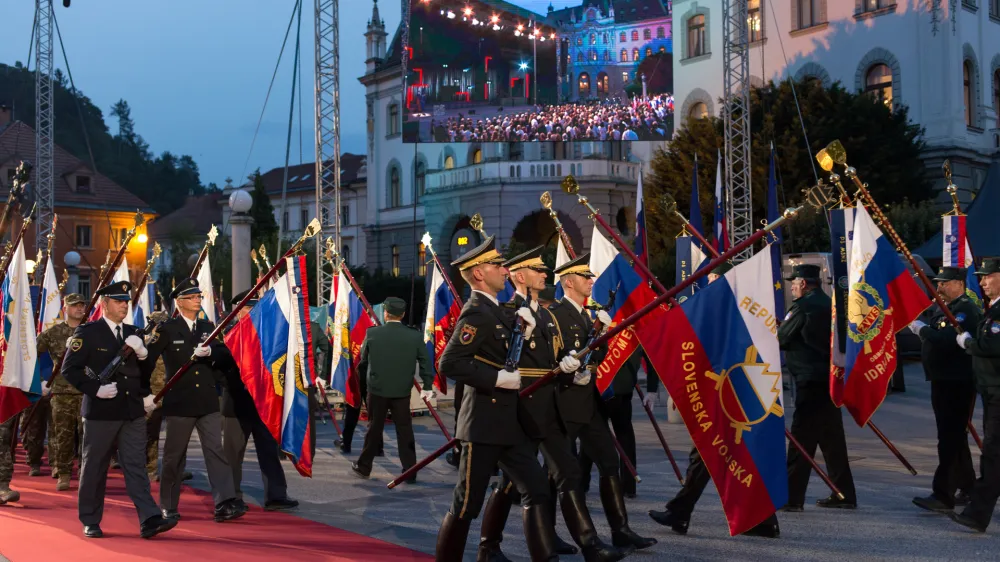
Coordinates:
<point>40,271</point>
<point>546,200</point>
<point>145,274</point>
<point>627,323</point>
<point>313,229</point>
<point>13,205</point>
<point>451,287</point>
<point>113,266</point>
<point>371,314</point>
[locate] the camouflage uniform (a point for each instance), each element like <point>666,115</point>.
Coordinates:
<point>66,401</point>
<point>34,423</point>
<point>6,455</point>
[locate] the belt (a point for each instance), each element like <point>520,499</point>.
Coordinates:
<point>525,372</point>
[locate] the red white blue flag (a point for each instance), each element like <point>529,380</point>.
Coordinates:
<point>958,253</point>
<point>442,314</point>
<point>351,323</point>
<point>882,299</point>
<point>717,355</point>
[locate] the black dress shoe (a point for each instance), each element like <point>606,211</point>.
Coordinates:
<point>791,508</point>
<point>967,521</point>
<point>155,525</point>
<point>227,511</point>
<point>92,531</point>
<point>185,476</point>
<point>670,519</point>
<point>930,503</point>
<point>171,514</point>
<point>356,471</point>
<point>344,448</point>
<point>837,503</point>
<point>961,498</point>
<point>766,529</point>
<point>284,504</point>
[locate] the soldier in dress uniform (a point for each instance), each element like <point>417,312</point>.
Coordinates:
<point>677,515</point>
<point>389,355</point>
<point>580,404</point>
<point>804,336</point>
<point>66,402</point>
<point>953,389</point>
<point>489,427</point>
<point>984,347</point>
<point>193,403</point>
<point>538,356</point>
<point>241,421</point>
<point>113,412</point>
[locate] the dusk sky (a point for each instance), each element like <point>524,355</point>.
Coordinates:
<point>196,73</point>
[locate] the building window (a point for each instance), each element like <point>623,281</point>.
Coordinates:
<point>606,38</point>
<point>698,111</point>
<point>621,37</point>
<point>968,94</point>
<point>345,254</point>
<point>635,54</point>
<point>393,128</point>
<point>82,184</point>
<point>579,56</point>
<point>584,85</point>
<point>83,285</point>
<point>624,77</point>
<point>873,5</point>
<point>449,162</point>
<point>607,56</point>
<point>878,83</point>
<point>660,33</point>
<point>477,156</point>
<point>345,215</point>
<point>593,38</point>
<point>395,260</point>
<point>83,239</point>
<point>579,40</point>
<point>995,8</point>
<point>696,36</point>
<point>635,34</point>
<point>808,13</point>
<point>593,54</point>
<point>647,34</point>
<point>624,55</point>
<point>649,51</point>
<point>602,84</point>
<point>754,22</point>
<point>303,218</point>
<point>421,260</point>
<point>421,178</point>
<point>122,233</point>
<point>395,192</point>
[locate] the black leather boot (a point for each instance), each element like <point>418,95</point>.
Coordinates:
<point>562,547</point>
<point>614,507</point>
<point>494,520</point>
<point>581,526</point>
<point>451,539</point>
<point>539,534</point>
<point>671,519</point>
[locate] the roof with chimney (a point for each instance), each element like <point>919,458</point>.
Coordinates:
<point>17,143</point>
<point>302,177</point>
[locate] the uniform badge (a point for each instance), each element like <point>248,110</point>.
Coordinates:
<point>960,317</point>
<point>576,343</point>
<point>76,344</point>
<point>787,316</point>
<point>154,337</point>
<point>995,328</point>
<point>468,334</point>
<point>204,337</point>
<point>943,324</point>
<point>532,344</point>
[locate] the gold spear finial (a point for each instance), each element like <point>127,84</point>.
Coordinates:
<point>476,222</point>
<point>952,189</point>
<point>212,235</point>
<point>65,279</point>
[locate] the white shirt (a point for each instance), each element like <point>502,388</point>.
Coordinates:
<point>578,307</point>
<point>487,295</point>
<point>114,327</point>
<point>994,301</point>
<point>190,323</point>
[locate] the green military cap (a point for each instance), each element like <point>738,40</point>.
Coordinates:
<point>118,290</point>
<point>74,298</point>
<point>532,259</point>
<point>579,266</point>
<point>949,273</point>
<point>394,306</point>
<point>989,265</point>
<point>483,253</point>
<point>804,271</point>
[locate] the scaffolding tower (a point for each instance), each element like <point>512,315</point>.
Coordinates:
<point>736,116</point>
<point>327,137</point>
<point>44,118</point>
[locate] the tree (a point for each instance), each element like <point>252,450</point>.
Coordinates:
<point>883,145</point>
<point>126,127</point>
<point>265,228</point>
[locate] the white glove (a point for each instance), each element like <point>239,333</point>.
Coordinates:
<point>107,391</point>
<point>135,342</point>
<point>569,364</point>
<point>509,380</point>
<point>649,400</point>
<point>46,388</point>
<point>427,395</point>
<point>604,318</point>
<point>582,378</point>
<point>148,404</point>
<point>916,326</point>
<point>529,321</point>
<point>202,350</point>
<point>963,339</point>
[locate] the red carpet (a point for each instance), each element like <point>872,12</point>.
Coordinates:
<point>44,526</point>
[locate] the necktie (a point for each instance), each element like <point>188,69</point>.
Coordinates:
<point>118,333</point>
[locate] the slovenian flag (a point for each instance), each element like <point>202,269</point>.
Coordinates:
<point>50,300</point>
<point>958,253</point>
<point>614,273</point>
<point>442,314</point>
<point>351,323</point>
<point>121,274</point>
<point>882,299</point>
<point>717,355</point>
<point>841,237</point>
<point>272,347</point>
<point>18,374</point>
<point>144,305</point>
<point>562,257</point>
